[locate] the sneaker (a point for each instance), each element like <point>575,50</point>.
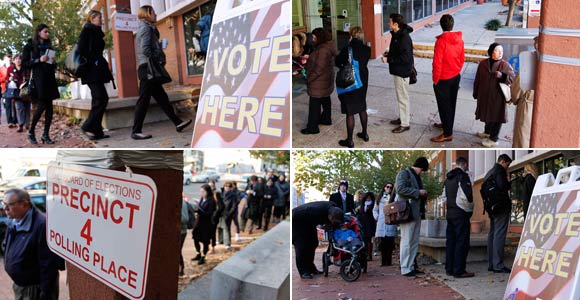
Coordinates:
<point>140,136</point>
<point>489,143</point>
<point>228,248</point>
<point>482,135</point>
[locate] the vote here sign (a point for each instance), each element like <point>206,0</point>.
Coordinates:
<point>546,263</point>
<point>101,221</point>
<point>245,93</point>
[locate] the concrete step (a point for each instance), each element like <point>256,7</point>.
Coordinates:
<point>120,111</point>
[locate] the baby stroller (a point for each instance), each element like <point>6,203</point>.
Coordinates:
<point>351,259</point>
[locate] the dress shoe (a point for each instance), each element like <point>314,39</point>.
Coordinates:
<point>417,272</point>
<point>198,257</point>
<point>490,269</point>
<point>464,275</point>
<point>183,125</point>
<point>346,143</point>
<point>503,270</point>
<point>395,122</point>
<point>364,137</point>
<point>438,125</point>
<point>306,276</point>
<point>442,138</point>
<point>410,274</point>
<point>327,123</point>
<point>140,136</point>
<point>103,136</point>
<point>306,131</point>
<point>317,272</point>
<point>401,129</point>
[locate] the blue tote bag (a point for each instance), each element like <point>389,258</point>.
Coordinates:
<point>352,65</point>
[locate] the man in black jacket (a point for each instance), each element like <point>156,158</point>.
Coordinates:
<point>400,59</point>
<point>500,218</point>
<point>459,197</point>
<point>342,199</point>
<point>305,218</point>
<point>27,259</point>
<point>230,201</point>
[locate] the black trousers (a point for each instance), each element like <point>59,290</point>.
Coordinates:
<point>446,95</point>
<point>387,246</point>
<point>181,241</point>
<point>198,244</point>
<point>267,215</point>
<point>315,117</point>
<point>148,89</point>
<point>305,242</point>
<point>100,99</point>
<point>43,106</point>
<point>493,128</point>
<point>457,245</point>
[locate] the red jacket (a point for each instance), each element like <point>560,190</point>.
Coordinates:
<point>449,56</point>
<point>3,78</point>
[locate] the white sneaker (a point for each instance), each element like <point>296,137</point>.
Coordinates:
<point>489,143</point>
<point>482,135</point>
<point>237,237</point>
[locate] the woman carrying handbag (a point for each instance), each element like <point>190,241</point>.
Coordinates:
<point>152,74</point>
<point>355,102</point>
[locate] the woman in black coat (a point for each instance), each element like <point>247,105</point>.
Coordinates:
<point>203,225</point>
<point>91,45</point>
<point>355,102</point>
<point>35,60</point>
<point>529,182</point>
<point>367,221</point>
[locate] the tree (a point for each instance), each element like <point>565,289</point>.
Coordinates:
<point>273,156</point>
<point>365,170</point>
<point>19,18</point>
<point>512,7</point>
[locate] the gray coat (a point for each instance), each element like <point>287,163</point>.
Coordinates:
<point>408,190</point>
<point>148,45</point>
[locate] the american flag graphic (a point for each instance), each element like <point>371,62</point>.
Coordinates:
<point>260,24</point>
<point>527,284</point>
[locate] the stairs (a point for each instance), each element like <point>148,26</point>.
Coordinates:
<point>425,50</point>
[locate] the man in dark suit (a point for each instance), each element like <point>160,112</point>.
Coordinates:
<point>342,199</point>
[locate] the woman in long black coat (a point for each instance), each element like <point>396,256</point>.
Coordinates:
<point>367,221</point>
<point>355,102</point>
<point>36,60</point>
<point>96,73</point>
<point>530,176</point>
<point>203,225</point>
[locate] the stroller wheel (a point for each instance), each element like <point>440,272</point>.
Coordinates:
<point>350,272</point>
<point>325,263</point>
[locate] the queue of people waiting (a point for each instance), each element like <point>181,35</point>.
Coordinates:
<point>266,200</point>
<point>34,70</point>
<point>315,56</point>
<point>378,230</point>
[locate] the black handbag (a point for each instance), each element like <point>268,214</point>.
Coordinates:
<point>28,89</point>
<point>157,73</point>
<point>75,63</point>
<point>413,77</point>
<point>345,76</point>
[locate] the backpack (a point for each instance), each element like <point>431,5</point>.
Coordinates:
<point>492,198</point>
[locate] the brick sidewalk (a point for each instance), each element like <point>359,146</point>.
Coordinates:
<point>379,283</point>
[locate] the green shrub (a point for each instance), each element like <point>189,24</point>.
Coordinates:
<point>493,24</point>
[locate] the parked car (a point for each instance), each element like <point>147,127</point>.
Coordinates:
<point>206,176</point>
<point>187,176</point>
<point>28,183</point>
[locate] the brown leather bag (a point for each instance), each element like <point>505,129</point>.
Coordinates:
<point>397,212</point>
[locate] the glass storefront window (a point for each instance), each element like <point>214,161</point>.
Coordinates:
<point>196,28</point>
<point>439,5</point>
<point>297,15</point>
<point>389,7</point>
<point>407,10</point>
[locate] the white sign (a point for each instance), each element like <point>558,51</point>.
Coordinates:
<point>534,8</point>
<point>125,22</point>
<point>101,221</point>
<point>378,9</point>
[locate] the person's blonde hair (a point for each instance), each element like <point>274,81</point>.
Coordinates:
<point>92,14</point>
<point>144,12</point>
<point>530,168</point>
<point>356,32</point>
<point>358,195</point>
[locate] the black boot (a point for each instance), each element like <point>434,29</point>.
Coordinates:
<point>201,261</point>
<point>198,257</point>
<point>46,140</point>
<point>32,138</point>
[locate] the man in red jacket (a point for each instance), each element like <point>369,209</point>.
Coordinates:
<point>447,64</point>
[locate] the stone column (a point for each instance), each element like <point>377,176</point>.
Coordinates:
<point>556,114</point>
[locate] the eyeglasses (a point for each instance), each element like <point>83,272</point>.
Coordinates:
<point>7,204</point>
<point>389,186</point>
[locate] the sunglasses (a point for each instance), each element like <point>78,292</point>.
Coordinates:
<point>389,186</point>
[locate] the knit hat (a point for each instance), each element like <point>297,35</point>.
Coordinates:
<point>421,163</point>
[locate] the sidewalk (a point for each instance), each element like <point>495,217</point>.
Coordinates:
<point>382,104</point>
<point>383,283</point>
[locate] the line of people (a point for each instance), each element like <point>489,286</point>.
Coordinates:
<point>448,61</point>
<point>408,186</point>
<point>35,66</point>
<point>212,216</point>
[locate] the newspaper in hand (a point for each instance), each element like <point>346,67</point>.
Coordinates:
<point>51,56</point>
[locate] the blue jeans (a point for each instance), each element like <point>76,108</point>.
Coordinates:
<point>23,112</point>
<point>10,111</point>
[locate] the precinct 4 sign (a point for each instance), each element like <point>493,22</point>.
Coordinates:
<point>101,221</point>
<point>546,263</point>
